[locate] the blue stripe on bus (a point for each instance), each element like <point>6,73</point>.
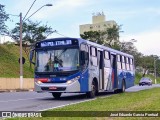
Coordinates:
<point>84,81</point>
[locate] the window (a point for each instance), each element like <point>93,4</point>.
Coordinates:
<point>84,47</point>
<point>119,62</point>
<point>107,61</point>
<point>91,27</point>
<point>106,55</point>
<point>118,58</point>
<point>84,56</point>
<point>131,64</point>
<point>127,63</point>
<point>93,52</point>
<point>131,61</point>
<point>123,63</point>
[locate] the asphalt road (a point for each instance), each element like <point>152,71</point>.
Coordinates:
<point>32,101</point>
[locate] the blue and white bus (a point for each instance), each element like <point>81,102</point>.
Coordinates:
<point>75,65</point>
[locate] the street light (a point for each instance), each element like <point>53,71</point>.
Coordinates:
<point>21,22</point>
<point>38,10</point>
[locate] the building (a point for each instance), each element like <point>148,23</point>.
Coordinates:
<point>98,23</point>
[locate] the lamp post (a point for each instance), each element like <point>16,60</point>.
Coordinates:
<point>21,24</point>
<point>38,10</point>
<point>21,65</point>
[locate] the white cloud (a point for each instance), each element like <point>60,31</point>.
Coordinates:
<point>147,42</point>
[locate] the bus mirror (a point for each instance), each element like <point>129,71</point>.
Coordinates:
<point>31,56</point>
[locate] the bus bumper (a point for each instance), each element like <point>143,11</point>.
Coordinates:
<point>57,87</point>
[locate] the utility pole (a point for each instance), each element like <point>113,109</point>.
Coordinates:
<point>155,77</point>
<point>21,65</point>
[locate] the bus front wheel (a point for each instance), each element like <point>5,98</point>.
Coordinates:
<point>92,93</point>
<point>56,95</point>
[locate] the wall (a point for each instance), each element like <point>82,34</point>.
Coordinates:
<point>14,83</point>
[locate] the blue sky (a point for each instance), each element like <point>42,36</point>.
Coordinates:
<point>140,18</point>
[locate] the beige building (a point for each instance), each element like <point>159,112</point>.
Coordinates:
<point>99,23</point>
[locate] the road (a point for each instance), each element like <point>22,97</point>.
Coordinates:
<point>32,101</point>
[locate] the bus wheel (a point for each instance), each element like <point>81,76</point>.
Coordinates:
<point>123,87</point>
<point>56,95</point>
<point>93,91</point>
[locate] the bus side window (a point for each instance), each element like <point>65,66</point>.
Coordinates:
<point>93,53</point>
<point>119,62</point>
<point>127,63</point>
<point>84,55</point>
<point>131,64</point>
<point>123,63</point>
<point>107,62</point>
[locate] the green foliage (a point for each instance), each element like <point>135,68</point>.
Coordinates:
<point>9,66</point>
<point>94,36</point>
<point>3,18</point>
<point>113,34</point>
<point>108,37</point>
<point>31,31</point>
<point>138,76</point>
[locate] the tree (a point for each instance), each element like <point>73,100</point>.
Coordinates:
<point>108,37</point>
<point>3,17</point>
<point>31,31</point>
<point>94,36</point>
<point>113,34</point>
<point>128,47</point>
<point>147,64</point>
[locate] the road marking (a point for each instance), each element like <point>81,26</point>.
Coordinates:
<point>21,99</point>
<point>67,104</point>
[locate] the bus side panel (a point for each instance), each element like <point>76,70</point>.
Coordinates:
<point>127,76</point>
<point>129,79</point>
<point>120,78</point>
<point>84,81</point>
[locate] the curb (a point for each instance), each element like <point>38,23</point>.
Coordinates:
<point>17,90</point>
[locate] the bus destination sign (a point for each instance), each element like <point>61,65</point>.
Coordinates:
<point>56,43</point>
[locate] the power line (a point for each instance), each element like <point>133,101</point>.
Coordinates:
<point>29,9</point>
<point>60,34</point>
<point>55,31</point>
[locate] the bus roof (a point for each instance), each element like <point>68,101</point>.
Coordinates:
<point>91,43</point>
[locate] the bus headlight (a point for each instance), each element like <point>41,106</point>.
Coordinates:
<point>73,80</point>
<point>39,82</point>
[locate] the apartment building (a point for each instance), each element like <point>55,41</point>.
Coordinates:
<point>99,23</point>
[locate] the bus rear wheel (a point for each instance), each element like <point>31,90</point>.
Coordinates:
<point>56,95</point>
<point>123,87</point>
<point>92,93</point>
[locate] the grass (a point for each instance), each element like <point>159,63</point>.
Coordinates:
<point>9,66</point>
<point>146,100</point>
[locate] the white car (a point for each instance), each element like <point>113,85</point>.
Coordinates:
<point>145,81</point>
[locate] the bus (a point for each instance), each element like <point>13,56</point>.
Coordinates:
<point>75,65</point>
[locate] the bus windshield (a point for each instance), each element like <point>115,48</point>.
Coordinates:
<point>57,60</point>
